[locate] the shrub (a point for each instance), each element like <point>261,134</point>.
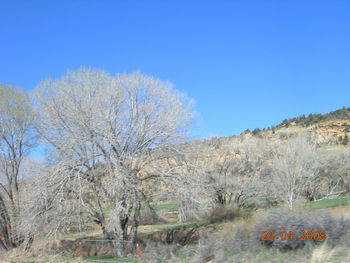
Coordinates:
<point>157,251</point>
<point>325,254</point>
<point>232,241</point>
<point>222,213</point>
<point>151,217</point>
<point>256,131</point>
<point>290,221</point>
<point>261,204</point>
<point>237,242</point>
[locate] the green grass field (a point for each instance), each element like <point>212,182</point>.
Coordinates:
<point>327,203</point>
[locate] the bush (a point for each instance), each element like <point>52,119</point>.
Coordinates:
<point>261,204</point>
<point>151,217</point>
<point>325,254</point>
<point>237,242</point>
<point>232,242</point>
<point>256,131</point>
<point>222,213</point>
<point>290,221</point>
<point>156,252</point>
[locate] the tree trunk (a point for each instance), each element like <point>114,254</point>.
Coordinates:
<point>6,240</point>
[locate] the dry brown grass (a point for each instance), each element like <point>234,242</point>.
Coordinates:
<point>324,254</point>
<point>341,211</point>
<point>19,256</point>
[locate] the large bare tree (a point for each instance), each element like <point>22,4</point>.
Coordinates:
<point>105,135</point>
<point>16,139</point>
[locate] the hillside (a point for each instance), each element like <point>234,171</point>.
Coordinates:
<point>312,119</point>
<point>332,128</point>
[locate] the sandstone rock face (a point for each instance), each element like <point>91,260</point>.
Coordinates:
<point>331,132</point>
<point>325,133</point>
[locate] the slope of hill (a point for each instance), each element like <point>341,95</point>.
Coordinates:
<point>327,129</point>
<point>312,119</point>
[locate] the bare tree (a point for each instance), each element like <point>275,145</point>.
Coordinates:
<point>188,187</point>
<point>333,176</point>
<point>294,167</point>
<point>236,172</point>
<point>105,134</point>
<point>16,139</point>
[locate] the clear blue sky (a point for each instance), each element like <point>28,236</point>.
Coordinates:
<point>246,63</point>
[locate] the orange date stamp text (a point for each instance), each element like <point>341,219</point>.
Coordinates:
<point>301,235</point>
